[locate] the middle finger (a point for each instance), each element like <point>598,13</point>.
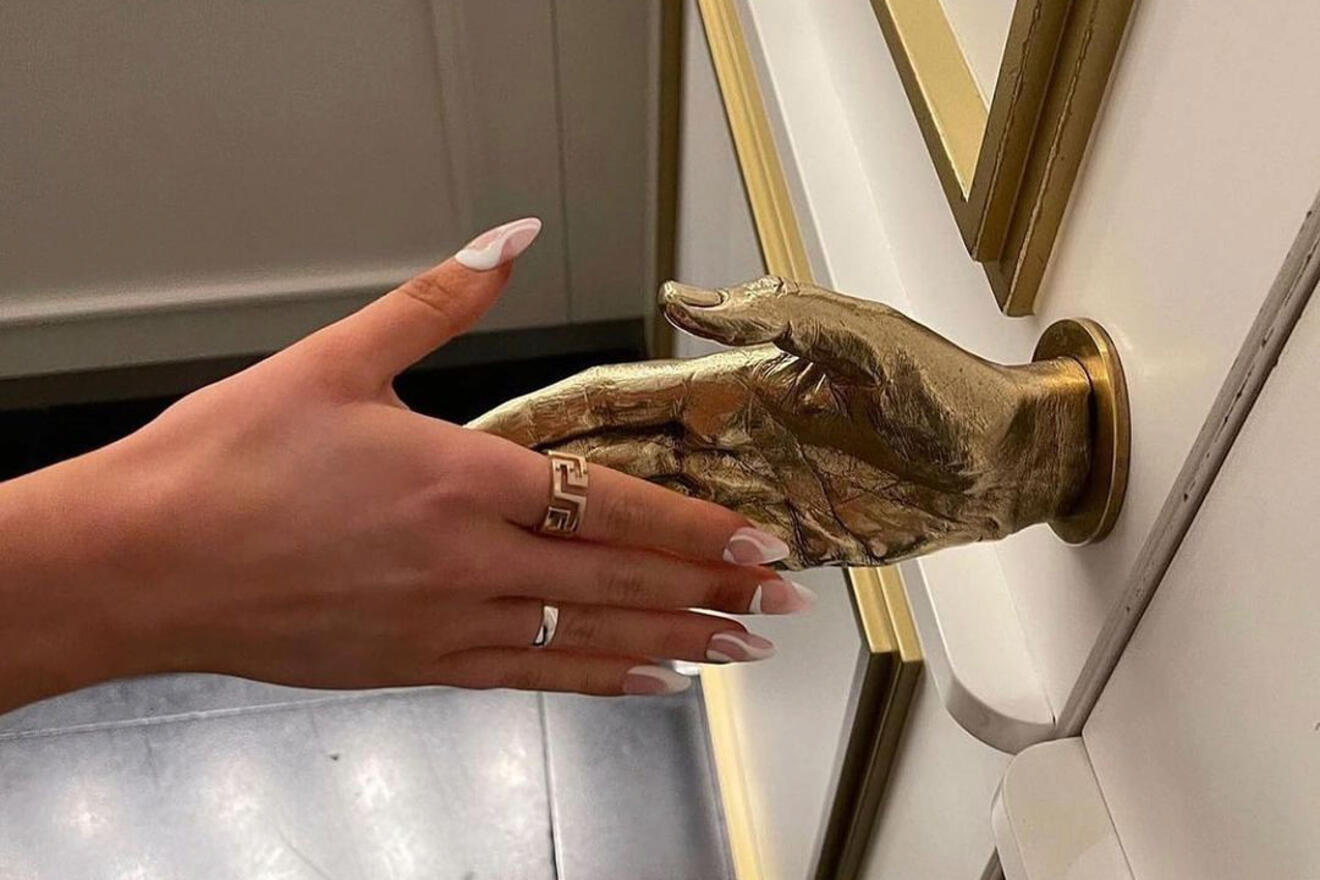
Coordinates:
<point>625,577</point>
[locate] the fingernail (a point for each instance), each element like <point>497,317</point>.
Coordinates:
<point>781,597</point>
<point>497,246</point>
<point>749,546</point>
<point>738,647</point>
<point>689,295</point>
<point>651,680</point>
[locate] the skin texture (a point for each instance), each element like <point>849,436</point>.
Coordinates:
<point>296,523</point>
<point>850,431</point>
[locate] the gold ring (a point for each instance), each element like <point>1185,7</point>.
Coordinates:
<point>549,623</point>
<point>568,495</point>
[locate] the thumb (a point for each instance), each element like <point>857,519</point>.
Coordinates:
<point>818,325</point>
<point>403,326</point>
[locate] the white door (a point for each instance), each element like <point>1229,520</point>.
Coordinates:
<point>1189,198</point>
<point>1206,740</point>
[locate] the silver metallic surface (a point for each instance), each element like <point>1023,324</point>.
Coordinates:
<point>549,623</point>
<point>194,777</point>
<point>635,790</point>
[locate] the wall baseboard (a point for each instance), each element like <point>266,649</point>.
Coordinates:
<point>181,376</point>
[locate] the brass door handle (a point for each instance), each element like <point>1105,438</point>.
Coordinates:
<point>856,434</point>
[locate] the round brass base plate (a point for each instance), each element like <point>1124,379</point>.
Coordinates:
<point>1101,499</point>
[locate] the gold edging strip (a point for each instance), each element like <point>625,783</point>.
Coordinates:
<point>886,683</point>
<point>763,175</point>
<point>892,658</point>
<point>726,750</point>
<point>1009,196</point>
<point>659,333</point>
<point>954,107</point>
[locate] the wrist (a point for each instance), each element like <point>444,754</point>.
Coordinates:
<point>71,613</point>
<point>1050,453</point>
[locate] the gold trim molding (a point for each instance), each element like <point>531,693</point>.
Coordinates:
<point>763,175</point>
<point>889,661</point>
<point>1008,168</point>
<point>888,669</point>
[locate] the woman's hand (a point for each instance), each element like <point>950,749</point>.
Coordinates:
<point>297,523</point>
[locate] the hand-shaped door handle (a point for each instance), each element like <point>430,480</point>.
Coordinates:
<point>856,434</point>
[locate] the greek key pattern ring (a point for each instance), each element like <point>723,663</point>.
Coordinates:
<point>568,494</point>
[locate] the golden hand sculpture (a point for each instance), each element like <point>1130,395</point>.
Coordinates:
<point>854,433</point>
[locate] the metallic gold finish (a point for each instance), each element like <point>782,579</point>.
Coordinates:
<point>1101,497</point>
<point>718,686</point>
<point>888,668</point>
<point>568,494</point>
<point>659,335</point>
<point>951,112</point>
<point>1007,169</point>
<point>545,634</point>
<point>881,721</point>
<point>856,435</point>
<point>763,174</point>
<point>880,704</point>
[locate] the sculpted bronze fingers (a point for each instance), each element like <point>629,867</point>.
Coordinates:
<point>853,433</point>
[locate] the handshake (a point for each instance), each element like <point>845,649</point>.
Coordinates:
<point>851,432</point>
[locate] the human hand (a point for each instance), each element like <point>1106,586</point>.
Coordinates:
<point>297,523</point>
<point>857,435</point>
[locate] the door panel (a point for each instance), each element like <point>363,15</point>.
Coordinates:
<point>1205,739</point>
<point>1185,206</point>
<point>1183,210</point>
<point>935,820</point>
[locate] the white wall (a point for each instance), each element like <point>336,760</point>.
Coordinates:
<point>981,27</point>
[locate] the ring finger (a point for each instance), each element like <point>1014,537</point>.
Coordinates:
<point>602,630</point>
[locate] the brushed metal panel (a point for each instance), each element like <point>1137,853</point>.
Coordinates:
<point>633,789</point>
<point>424,783</point>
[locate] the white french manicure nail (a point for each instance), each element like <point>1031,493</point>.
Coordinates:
<point>749,546</point>
<point>738,647</point>
<point>497,246</point>
<point>781,597</point>
<point>654,680</point>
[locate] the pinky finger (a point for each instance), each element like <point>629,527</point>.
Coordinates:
<point>532,669</point>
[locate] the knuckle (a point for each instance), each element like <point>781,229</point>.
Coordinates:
<point>680,639</point>
<point>581,628</point>
<point>766,287</point>
<point>622,516</point>
<point>730,596</point>
<point>442,498</point>
<point>589,377</point>
<point>624,585</point>
<point>433,293</point>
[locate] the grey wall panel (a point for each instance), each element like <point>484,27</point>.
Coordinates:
<point>170,173</point>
